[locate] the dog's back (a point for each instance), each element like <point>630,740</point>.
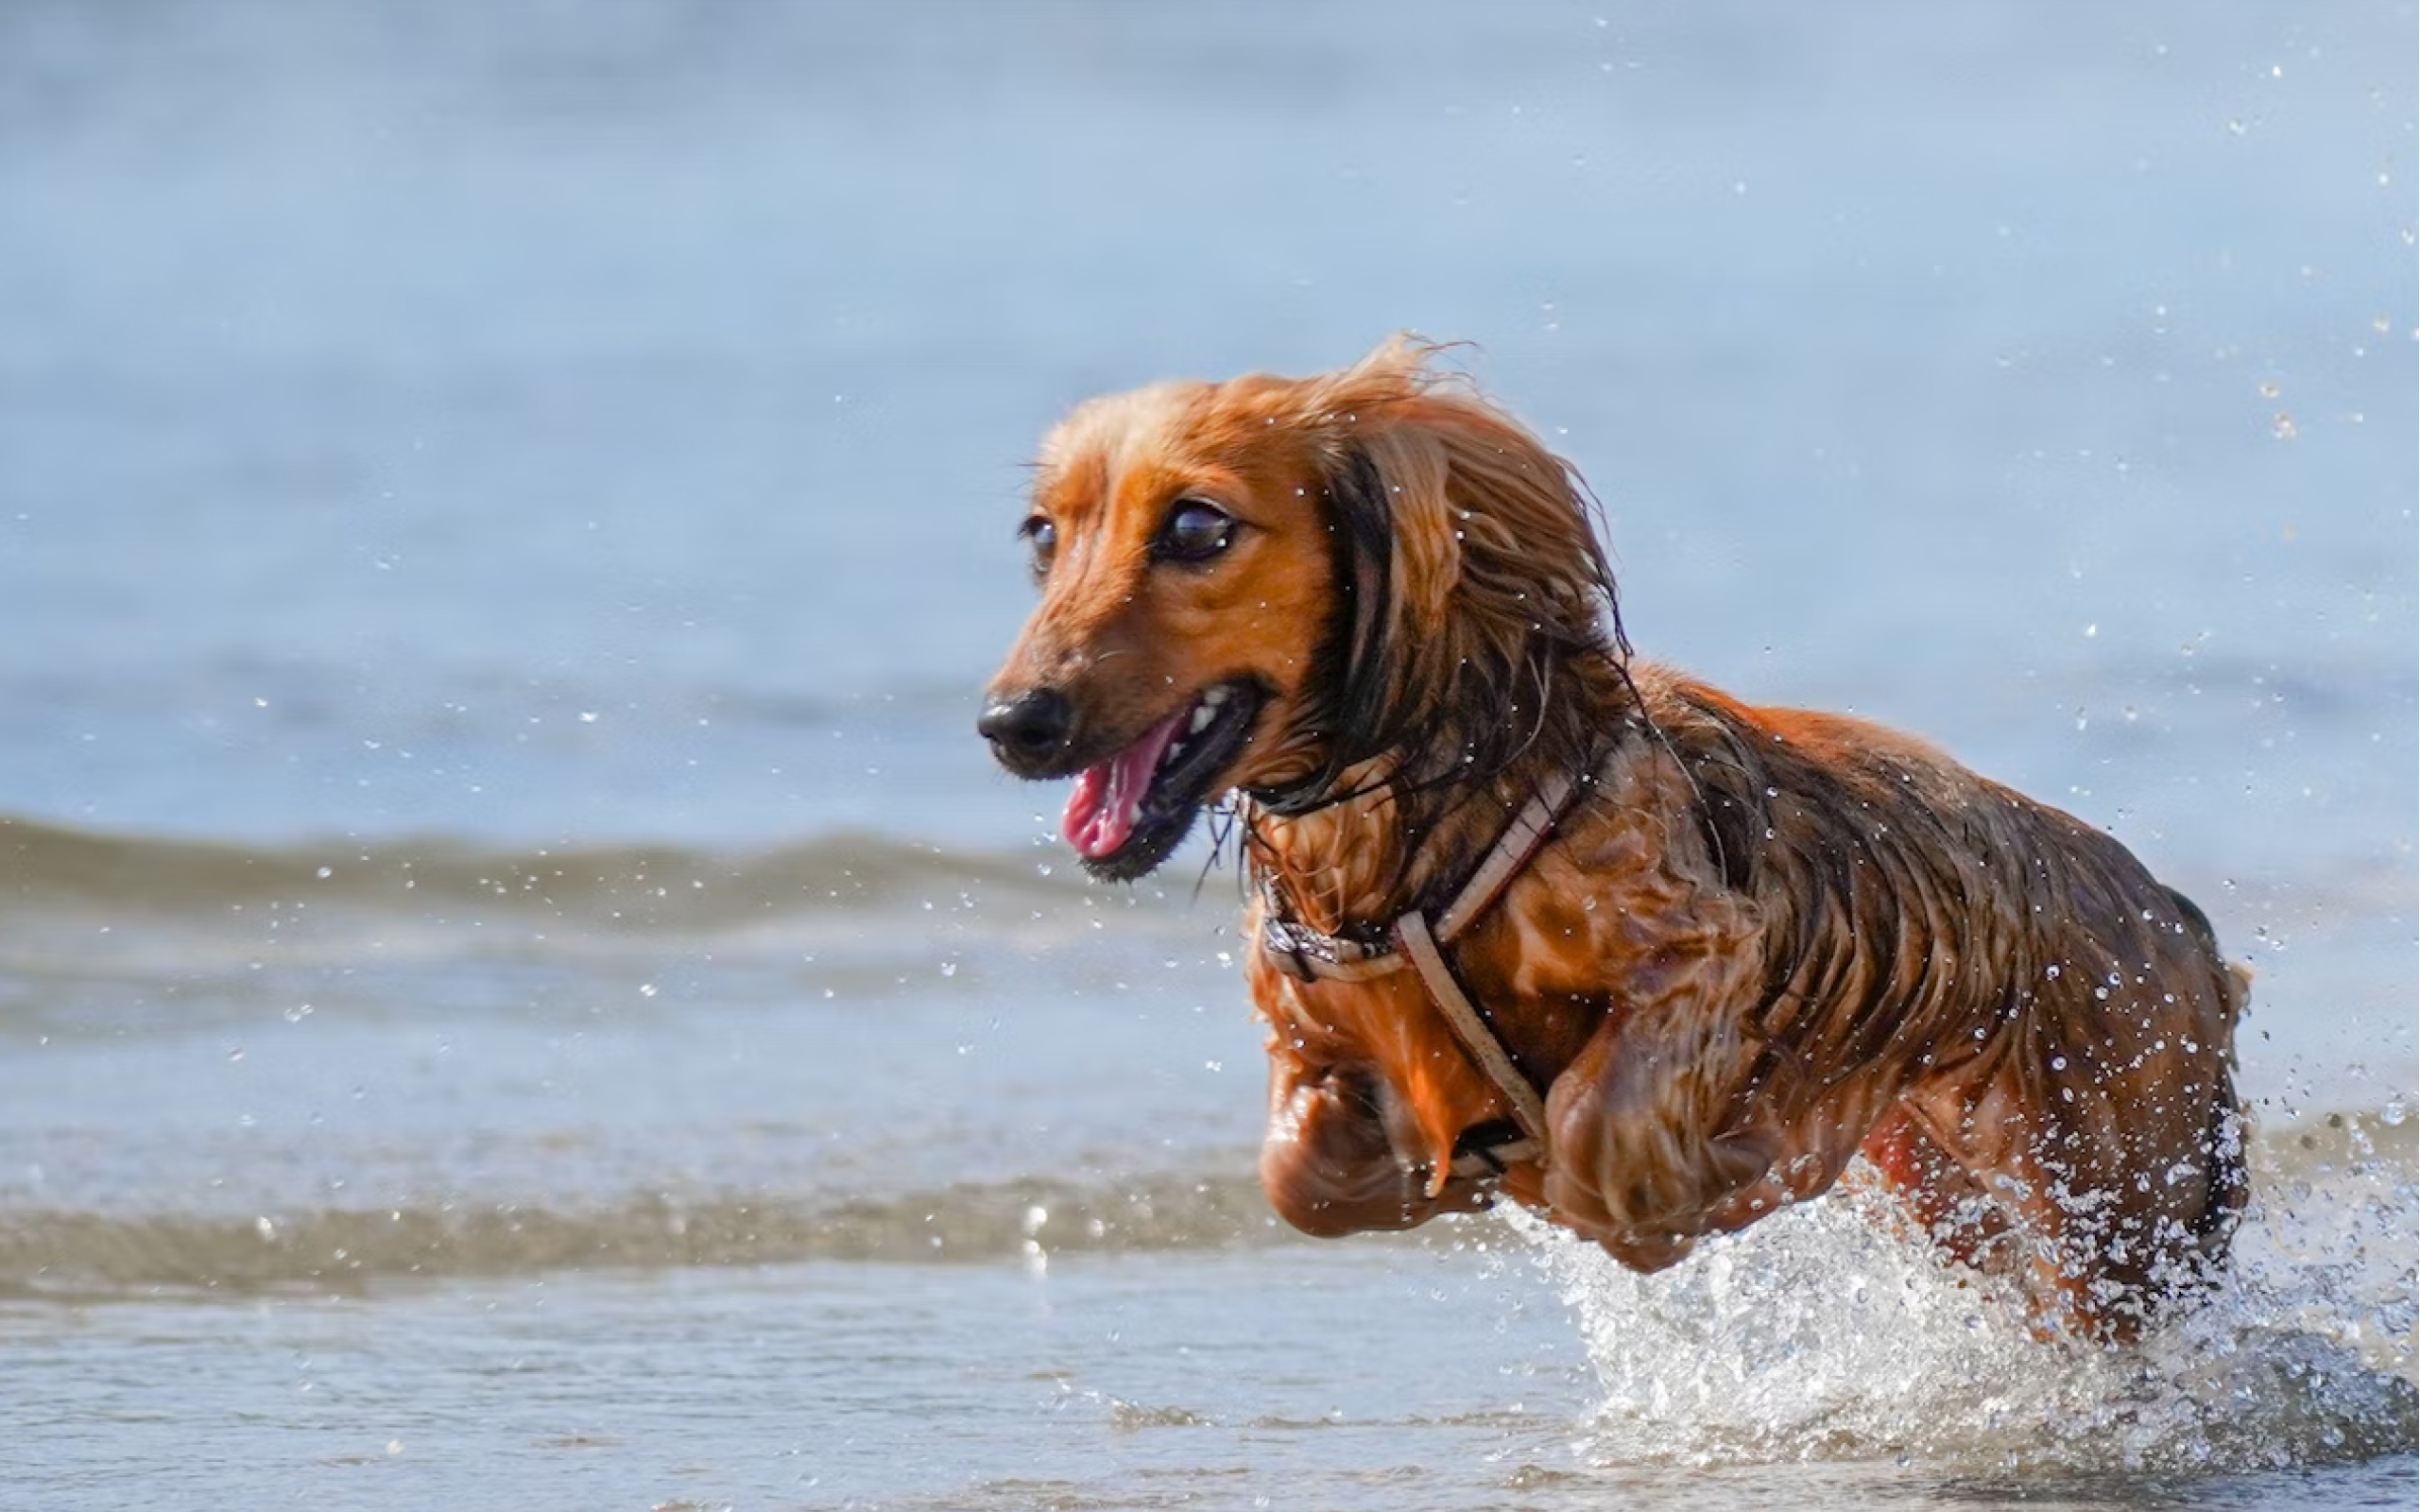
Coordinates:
<point>2043,1005</point>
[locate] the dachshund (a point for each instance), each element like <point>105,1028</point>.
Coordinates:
<point>1537,919</point>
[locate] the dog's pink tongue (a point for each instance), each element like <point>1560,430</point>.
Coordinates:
<point>1101,812</point>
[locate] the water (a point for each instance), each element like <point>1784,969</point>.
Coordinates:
<point>519,986</point>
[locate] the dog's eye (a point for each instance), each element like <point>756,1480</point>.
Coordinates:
<point>1042,537</point>
<point>1194,532</point>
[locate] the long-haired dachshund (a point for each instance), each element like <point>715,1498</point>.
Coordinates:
<point>1538,918</point>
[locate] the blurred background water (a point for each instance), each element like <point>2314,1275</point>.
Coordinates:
<point>517,980</point>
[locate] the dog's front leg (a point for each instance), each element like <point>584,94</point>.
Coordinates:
<point>1329,1165</point>
<point>1649,1152</point>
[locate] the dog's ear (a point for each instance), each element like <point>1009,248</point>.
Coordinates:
<point>1463,547</point>
<point>1385,478</point>
<point>1465,490</point>
<point>1398,528</point>
<point>1388,471</point>
<point>1361,671</point>
<point>1404,460</point>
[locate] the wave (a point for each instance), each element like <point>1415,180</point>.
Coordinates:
<point>632,885</point>
<point>80,901</point>
<point>2326,1183</point>
<point>90,1257</point>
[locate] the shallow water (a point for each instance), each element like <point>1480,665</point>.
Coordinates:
<point>575,1185</point>
<point>518,988</point>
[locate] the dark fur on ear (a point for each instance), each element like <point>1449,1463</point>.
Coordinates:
<point>1357,715</point>
<point>1476,629</point>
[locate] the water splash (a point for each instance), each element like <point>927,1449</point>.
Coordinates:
<point>1834,1334</point>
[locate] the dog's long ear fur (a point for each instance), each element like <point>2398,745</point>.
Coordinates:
<point>1471,586</point>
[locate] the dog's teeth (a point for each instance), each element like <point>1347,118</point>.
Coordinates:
<point>1175,753</point>
<point>1202,717</point>
<point>1215,697</point>
<point>1134,814</point>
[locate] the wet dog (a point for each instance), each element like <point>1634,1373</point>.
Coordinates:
<point>1540,920</point>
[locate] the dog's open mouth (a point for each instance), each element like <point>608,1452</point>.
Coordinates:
<point>1129,812</point>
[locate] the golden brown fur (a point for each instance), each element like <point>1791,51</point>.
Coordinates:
<point>1763,942</point>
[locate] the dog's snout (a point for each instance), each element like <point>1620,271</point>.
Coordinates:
<point>1029,729</point>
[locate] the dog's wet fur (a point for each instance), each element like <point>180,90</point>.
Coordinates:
<point>1763,942</point>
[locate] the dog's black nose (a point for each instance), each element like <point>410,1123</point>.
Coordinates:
<point>1029,727</point>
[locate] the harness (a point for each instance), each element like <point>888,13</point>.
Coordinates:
<point>1309,956</point>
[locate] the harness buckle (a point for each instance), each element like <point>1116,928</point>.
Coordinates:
<point>1485,1151</point>
<point>1288,950</point>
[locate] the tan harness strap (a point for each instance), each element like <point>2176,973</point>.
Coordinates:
<point>1512,851</point>
<point>1419,947</point>
<point>1309,954</point>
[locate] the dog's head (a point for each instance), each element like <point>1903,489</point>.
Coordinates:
<point>1264,583</point>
